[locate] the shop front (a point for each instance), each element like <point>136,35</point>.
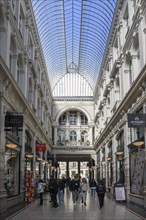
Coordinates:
<point>12,170</point>
<point>12,164</point>
<point>137,169</point>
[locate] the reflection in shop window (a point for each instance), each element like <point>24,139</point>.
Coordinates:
<point>11,179</point>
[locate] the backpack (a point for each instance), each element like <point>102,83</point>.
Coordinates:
<point>100,189</point>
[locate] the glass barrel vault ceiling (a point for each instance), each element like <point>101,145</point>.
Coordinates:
<point>73,35</point>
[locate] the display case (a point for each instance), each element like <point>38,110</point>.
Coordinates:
<point>29,189</point>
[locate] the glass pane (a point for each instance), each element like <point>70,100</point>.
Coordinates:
<point>11,179</point>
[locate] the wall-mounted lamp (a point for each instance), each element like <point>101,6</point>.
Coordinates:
<point>138,143</point>
<point>11,145</point>
<point>109,158</point>
<point>39,158</point>
<point>119,153</point>
<point>29,156</point>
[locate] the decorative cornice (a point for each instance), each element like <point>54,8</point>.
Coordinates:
<point>75,98</point>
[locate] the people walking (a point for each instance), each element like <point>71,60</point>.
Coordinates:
<point>40,190</point>
<point>74,188</point>
<point>54,191</point>
<point>61,187</point>
<point>83,190</point>
<point>101,190</point>
<point>93,185</point>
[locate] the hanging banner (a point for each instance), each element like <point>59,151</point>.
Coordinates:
<point>40,148</point>
<point>136,120</point>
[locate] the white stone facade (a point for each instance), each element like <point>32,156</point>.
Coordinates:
<point>121,89</point>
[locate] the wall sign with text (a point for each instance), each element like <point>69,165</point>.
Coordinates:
<point>136,120</point>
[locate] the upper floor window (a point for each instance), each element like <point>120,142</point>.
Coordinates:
<point>30,49</point>
<point>21,22</point>
<point>62,119</point>
<point>126,20</point>
<point>61,135</point>
<point>121,139</point>
<point>73,118</point>
<point>83,136</point>
<point>73,136</point>
<point>84,119</point>
<point>18,72</point>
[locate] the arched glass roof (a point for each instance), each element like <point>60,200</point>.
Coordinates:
<point>73,31</point>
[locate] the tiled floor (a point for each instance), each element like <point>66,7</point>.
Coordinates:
<point>68,211</point>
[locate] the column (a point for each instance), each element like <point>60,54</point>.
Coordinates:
<point>2,31</point>
<point>22,163</point>
<point>35,95</point>
<point>7,40</point>
<point>67,118</point>
<point>3,195</point>
<point>55,135</point>
<point>67,169</point>
<point>126,156</point>
<point>14,66</point>
<point>90,172</point>
<point>34,158</point>
<point>25,89</point>
<point>79,168</point>
<point>78,118</point>
<point>144,108</point>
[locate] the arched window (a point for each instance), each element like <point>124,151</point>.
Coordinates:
<point>84,119</point>
<point>61,135</point>
<point>83,136</point>
<point>73,118</point>
<point>62,119</point>
<point>73,136</point>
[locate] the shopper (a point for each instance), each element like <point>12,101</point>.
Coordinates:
<point>61,187</point>
<point>93,186</point>
<point>54,192</point>
<point>40,190</point>
<point>101,190</point>
<point>83,190</point>
<point>74,188</point>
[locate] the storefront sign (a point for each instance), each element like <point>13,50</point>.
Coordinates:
<point>136,120</point>
<point>40,148</point>
<point>13,120</point>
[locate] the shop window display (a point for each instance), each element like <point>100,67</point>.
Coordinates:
<point>137,172</point>
<point>11,179</point>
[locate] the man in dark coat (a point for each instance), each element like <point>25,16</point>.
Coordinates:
<point>74,188</point>
<point>101,190</point>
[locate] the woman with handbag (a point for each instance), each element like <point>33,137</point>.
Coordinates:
<point>40,190</point>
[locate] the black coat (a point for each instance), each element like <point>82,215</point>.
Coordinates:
<point>74,185</point>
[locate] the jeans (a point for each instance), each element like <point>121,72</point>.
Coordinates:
<point>75,195</point>
<point>61,196</point>
<point>83,196</point>
<point>93,191</point>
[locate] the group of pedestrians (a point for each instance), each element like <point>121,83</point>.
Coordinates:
<point>78,187</point>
